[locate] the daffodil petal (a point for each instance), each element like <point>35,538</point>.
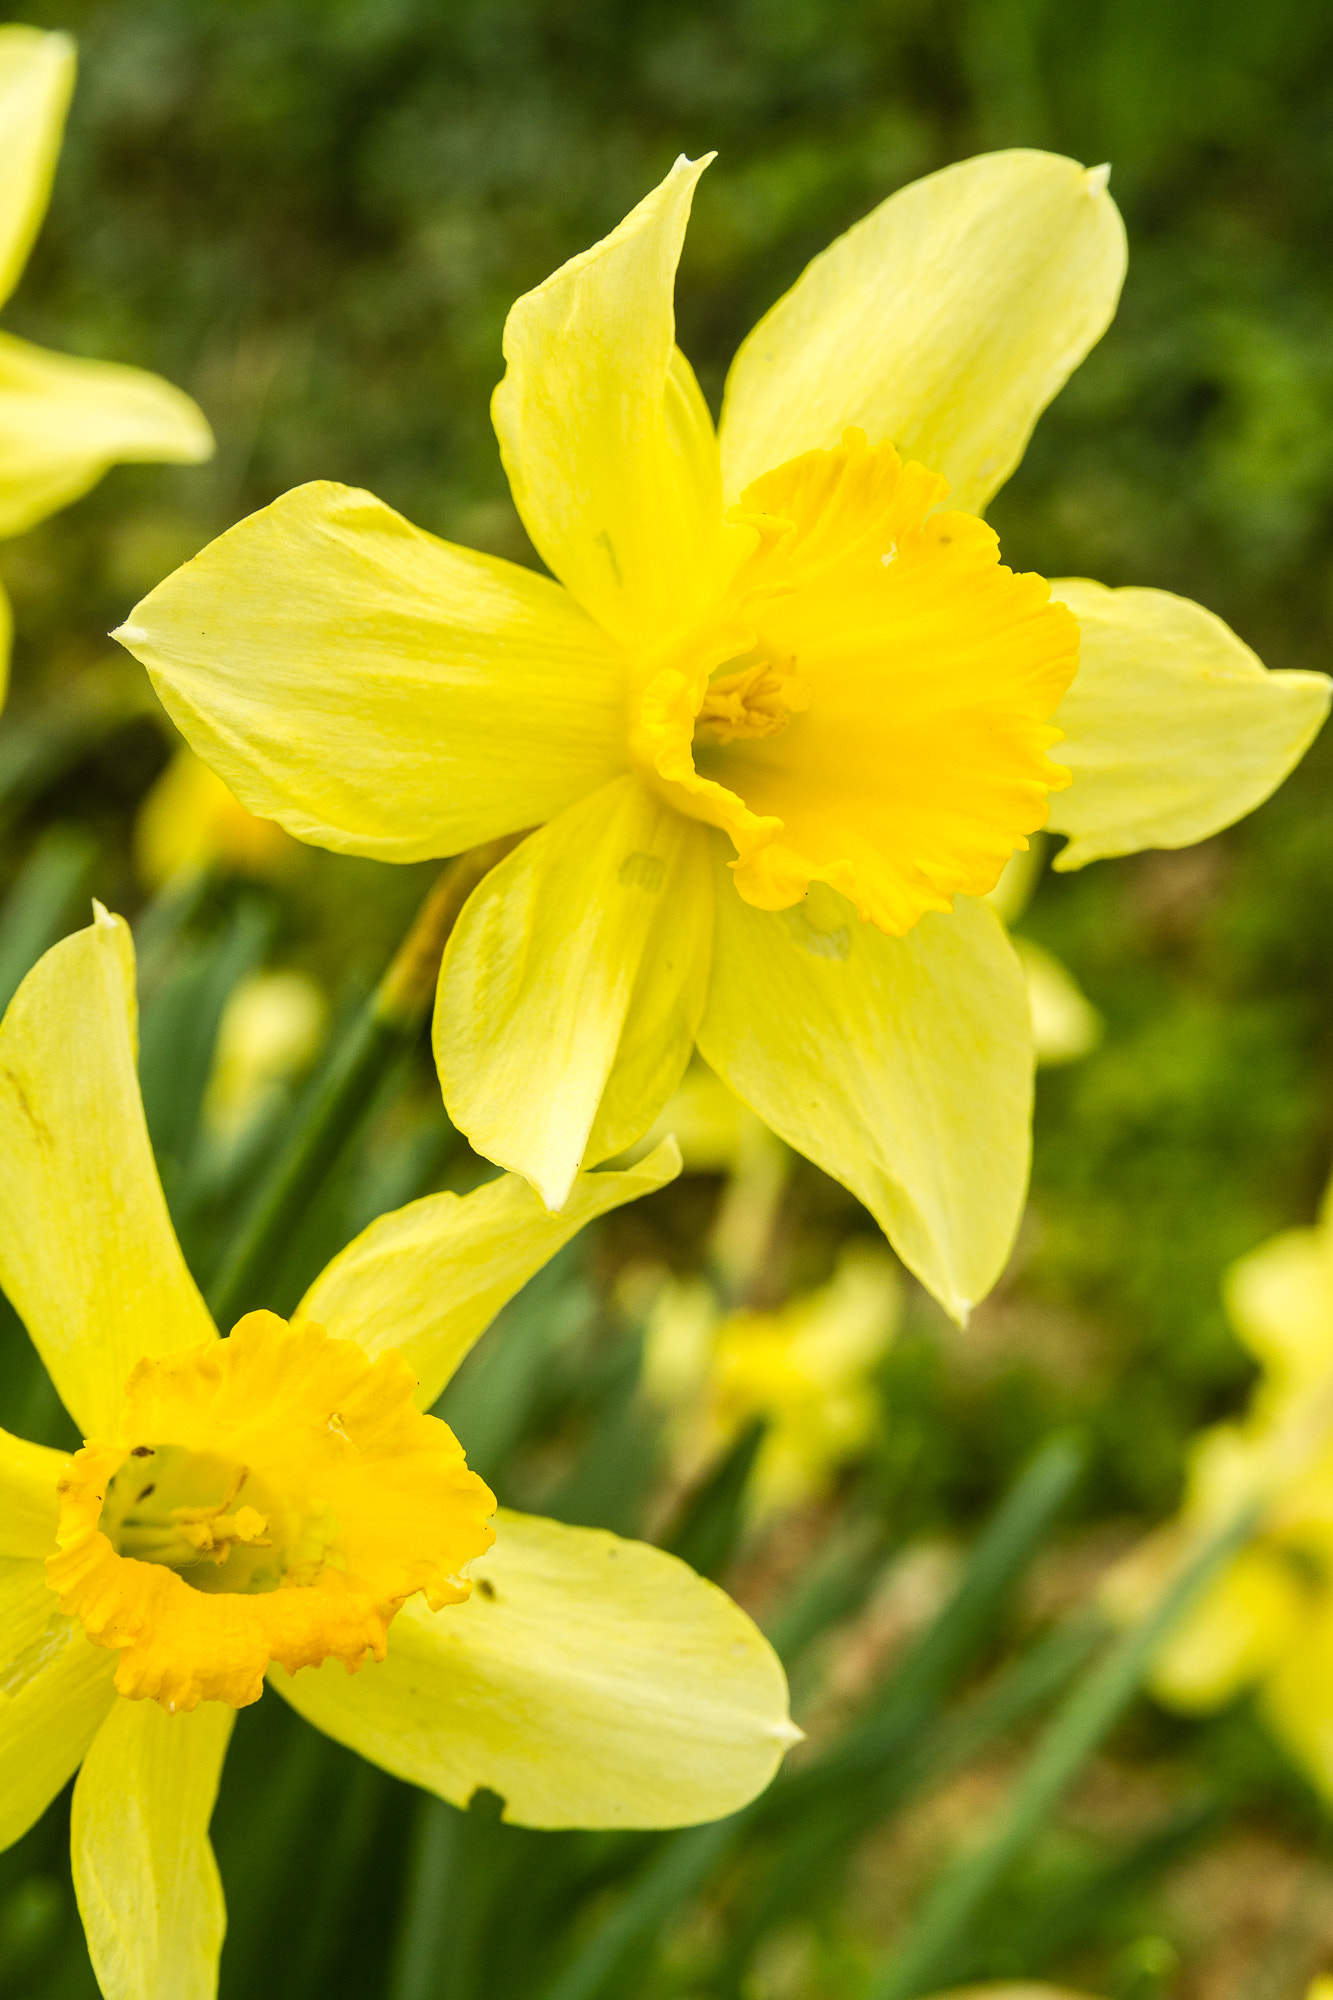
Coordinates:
<point>1173,729</point>
<point>1245,1624</point>
<point>543,970</point>
<point>589,1681</point>
<point>87,1252</point>
<point>666,1005</point>
<point>144,1873</point>
<point>429,1279</point>
<point>64,421</point>
<point>942,323</point>
<point>376,690</point>
<point>55,1690</point>
<point>606,439</point>
<point>36,79</point>
<point>902,1066</point>
<point>28,1506</point>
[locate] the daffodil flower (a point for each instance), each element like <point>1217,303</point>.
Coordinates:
<point>780,722</point>
<point>63,420</point>
<point>805,1369</point>
<point>277,1501</point>
<point>189,821</point>
<point>1266,1623</point>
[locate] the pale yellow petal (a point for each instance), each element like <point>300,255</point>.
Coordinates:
<point>606,439</point>
<point>376,690</point>
<point>545,967</point>
<point>28,1506</point>
<point>1173,729</point>
<point>1246,1622</point>
<point>666,1004</point>
<point>589,1681</point>
<point>36,78</point>
<point>1280,1301</point>
<point>943,323</point>
<point>87,1252</point>
<point>429,1279</point>
<point>902,1066</point>
<point>55,1689</point>
<point>64,421</point>
<point>144,1873</point>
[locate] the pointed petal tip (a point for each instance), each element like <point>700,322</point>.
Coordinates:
<point>1098,179</point>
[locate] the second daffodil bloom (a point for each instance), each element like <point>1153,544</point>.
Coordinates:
<point>278,1502</point>
<point>63,420</point>
<point>780,722</point>
<point>1266,1623</point>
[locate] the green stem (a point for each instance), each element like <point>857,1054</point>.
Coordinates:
<point>386,1027</point>
<point>924,1956</point>
<point>913,1696</point>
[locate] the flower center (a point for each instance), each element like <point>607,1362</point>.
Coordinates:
<point>868,704</point>
<point>755,700</point>
<point>272,1497</point>
<point>194,1512</point>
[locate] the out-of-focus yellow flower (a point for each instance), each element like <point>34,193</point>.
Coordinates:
<point>1320,1987</point>
<point>714,1130</point>
<point>270,1031</point>
<point>780,722</point>
<point>277,1501</point>
<point>1012,1989</point>
<point>1065,1024</point>
<point>190,821</point>
<point>805,1369</point>
<point>1266,1623</point>
<point>63,420</point>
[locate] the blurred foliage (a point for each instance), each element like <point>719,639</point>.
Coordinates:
<point>314,214</point>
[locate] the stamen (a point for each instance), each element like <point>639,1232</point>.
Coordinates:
<point>757,701</point>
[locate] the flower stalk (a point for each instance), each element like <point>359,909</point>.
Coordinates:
<point>924,1957</point>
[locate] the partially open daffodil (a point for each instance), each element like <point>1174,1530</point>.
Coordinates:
<point>780,722</point>
<point>1266,1623</point>
<point>63,420</point>
<point>278,1501</point>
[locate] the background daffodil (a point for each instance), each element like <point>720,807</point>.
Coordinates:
<point>805,1370</point>
<point>222,1512</point>
<point>63,420</point>
<point>781,721</point>
<point>1267,1622</point>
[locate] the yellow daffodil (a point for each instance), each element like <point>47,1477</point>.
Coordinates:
<point>779,723</point>
<point>63,420</point>
<point>190,821</point>
<point>277,1502</point>
<point>1267,1622</point>
<point>805,1369</point>
<point>270,1031</point>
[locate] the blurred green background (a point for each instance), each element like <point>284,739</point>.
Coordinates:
<point>314,215</point>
